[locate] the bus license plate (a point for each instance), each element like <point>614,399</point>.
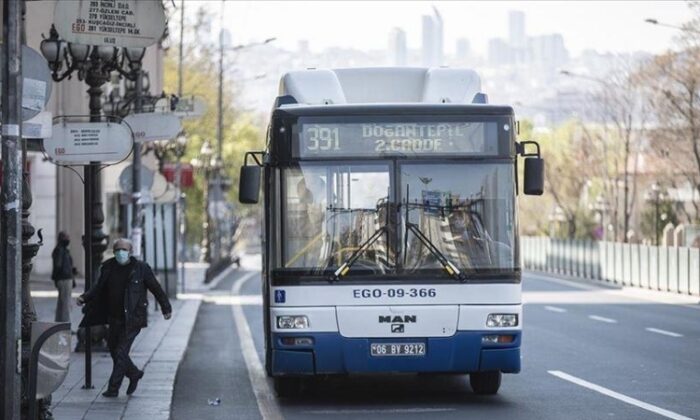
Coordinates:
<point>397,349</point>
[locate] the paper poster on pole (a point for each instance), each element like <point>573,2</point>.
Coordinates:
<point>81,143</point>
<point>117,23</point>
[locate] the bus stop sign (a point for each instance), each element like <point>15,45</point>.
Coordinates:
<point>124,23</point>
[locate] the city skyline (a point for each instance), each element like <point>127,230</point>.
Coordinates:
<point>476,21</point>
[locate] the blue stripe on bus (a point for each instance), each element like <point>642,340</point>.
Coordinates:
<point>332,353</point>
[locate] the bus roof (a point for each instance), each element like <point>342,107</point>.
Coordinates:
<point>398,85</point>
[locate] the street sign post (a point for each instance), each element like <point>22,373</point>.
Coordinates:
<point>149,127</point>
<point>186,107</point>
<point>123,23</point>
<point>78,143</point>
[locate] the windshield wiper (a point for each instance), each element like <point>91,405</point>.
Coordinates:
<point>446,264</point>
<point>345,267</point>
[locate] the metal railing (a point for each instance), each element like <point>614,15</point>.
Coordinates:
<point>669,269</point>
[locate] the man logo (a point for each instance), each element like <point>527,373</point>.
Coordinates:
<point>280,296</point>
<point>397,328</point>
<point>405,319</point>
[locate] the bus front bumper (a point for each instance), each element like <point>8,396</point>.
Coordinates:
<point>331,353</point>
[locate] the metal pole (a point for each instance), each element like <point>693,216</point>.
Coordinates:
<point>219,139</point>
<point>206,245</point>
<point>656,219</point>
<point>10,250</point>
<point>136,229</point>
<point>180,56</point>
<point>165,249</point>
<point>94,238</point>
<point>179,220</point>
<point>155,248</point>
<point>87,208</point>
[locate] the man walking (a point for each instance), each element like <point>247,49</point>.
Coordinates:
<point>119,299</point>
<point>63,274</point>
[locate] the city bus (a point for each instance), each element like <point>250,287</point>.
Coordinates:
<point>390,226</point>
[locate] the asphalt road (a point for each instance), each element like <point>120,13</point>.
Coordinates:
<point>588,353</point>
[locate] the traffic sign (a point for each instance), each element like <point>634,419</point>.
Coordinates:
<point>81,143</point>
<point>153,126</point>
<point>186,107</point>
<point>36,84</point>
<point>127,175</point>
<point>123,23</point>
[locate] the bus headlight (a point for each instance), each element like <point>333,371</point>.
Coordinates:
<point>502,320</point>
<point>292,322</point>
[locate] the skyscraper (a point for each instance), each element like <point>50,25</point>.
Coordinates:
<point>432,39</point>
<point>516,29</point>
<point>397,47</point>
<point>463,49</point>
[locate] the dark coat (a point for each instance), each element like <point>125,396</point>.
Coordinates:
<point>62,264</point>
<point>141,278</point>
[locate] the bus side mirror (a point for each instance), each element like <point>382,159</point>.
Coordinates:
<point>249,184</point>
<point>534,176</point>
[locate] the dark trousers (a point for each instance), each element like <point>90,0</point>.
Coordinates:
<point>119,342</point>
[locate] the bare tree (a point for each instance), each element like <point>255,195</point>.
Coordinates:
<point>674,78</point>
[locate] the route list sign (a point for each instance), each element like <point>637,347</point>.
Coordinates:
<point>81,143</point>
<point>118,23</point>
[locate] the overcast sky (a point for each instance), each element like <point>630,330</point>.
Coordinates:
<point>605,26</point>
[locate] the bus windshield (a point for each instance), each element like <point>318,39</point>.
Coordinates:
<point>460,212</point>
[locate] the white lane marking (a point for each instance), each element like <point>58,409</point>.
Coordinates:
<point>663,332</point>
<point>267,404</point>
<point>223,299</point>
<point>602,319</point>
<point>382,411</point>
<point>555,309</point>
<point>616,395</point>
<point>215,282</point>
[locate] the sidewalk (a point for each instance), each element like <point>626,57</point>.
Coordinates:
<point>158,350</point>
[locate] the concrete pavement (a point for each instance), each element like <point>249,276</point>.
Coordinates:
<point>158,350</point>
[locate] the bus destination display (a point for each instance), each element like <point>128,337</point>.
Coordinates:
<point>382,139</point>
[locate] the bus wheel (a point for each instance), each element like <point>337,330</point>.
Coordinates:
<point>485,383</point>
<point>288,386</point>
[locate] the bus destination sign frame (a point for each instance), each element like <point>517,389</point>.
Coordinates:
<point>381,139</point>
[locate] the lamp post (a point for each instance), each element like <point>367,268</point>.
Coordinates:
<point>668,25</point>
<point>601,207</point>
<point>656,195</point>
<point>94,65</point>
<point>205,163</point>
<point>224,38</point>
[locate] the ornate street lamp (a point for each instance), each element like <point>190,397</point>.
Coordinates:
<point>94,65</point>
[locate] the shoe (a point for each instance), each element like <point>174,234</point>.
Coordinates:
<point>133,383</point>
<point>110,393</point>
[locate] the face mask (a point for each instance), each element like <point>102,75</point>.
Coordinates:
<point>65,242</point>
<point>122,256</point>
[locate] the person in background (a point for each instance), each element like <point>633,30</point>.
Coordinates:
<point>119,299</point>
<point>63,275</point>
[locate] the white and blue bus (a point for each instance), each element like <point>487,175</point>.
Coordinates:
<point>390,226</point>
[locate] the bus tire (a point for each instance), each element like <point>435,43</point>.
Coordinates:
<point>287,386</point>
<point>485,383</point>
